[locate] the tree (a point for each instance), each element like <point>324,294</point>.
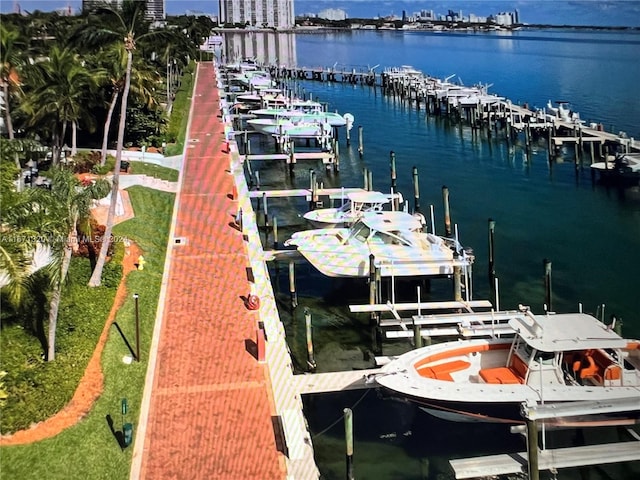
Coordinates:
<point>70,202</point>
<point>58,96</point>
<point>128,22</point>
<point>113,61</point>
<point>9,78</point>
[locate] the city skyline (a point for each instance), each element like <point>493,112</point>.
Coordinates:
<point>606,13</point>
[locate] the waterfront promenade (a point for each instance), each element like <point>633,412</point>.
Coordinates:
<point>207,407</point>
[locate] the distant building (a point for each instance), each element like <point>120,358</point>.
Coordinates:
<point>258,13</point>
<point>154,10</point>
<point>333,14</point>
<point>504,18</point>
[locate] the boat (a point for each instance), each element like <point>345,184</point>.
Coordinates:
<point>319,116</point>
<point>352,207</point>
<point>291,127</point>
<point>550,359</point>
<point>624,166</point>
<point>564,112</point>
<point>394,241</point>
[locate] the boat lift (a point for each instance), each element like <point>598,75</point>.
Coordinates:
<point>537,459</point>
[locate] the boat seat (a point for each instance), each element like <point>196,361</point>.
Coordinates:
<point>597,366</point>
<point>499,375</point>
<point>444,370</point>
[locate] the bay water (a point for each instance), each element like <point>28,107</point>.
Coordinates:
<point>543,210</point>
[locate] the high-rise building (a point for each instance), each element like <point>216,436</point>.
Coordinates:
<point>258,13</point>
<point>154,9</point>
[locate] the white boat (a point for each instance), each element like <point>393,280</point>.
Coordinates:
<point>564,112</point>
<point>395,239</point>
<point>333,119</point>
<point>292,128</point>
<point>622,166</point>
<point>551,359</point>
<point>353,206</point>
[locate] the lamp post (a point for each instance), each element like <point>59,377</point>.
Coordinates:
<point>168,87</point>
<point>135,298</point>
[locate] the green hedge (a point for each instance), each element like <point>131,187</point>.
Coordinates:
<point>177,130</point>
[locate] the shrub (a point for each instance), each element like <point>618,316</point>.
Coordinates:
<point>112,271</point>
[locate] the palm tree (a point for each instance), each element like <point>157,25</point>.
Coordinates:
<point>129,22</point>
<point>10,59</point>
<point>58,95</point>
<point>143,82</point>
<point>70,203</point>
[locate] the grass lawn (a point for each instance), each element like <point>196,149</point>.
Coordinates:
<point>90,450</point>
<point>153,170</point>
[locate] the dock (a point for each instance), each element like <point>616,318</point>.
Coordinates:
<point>439,96</point>
<point>552,459</point>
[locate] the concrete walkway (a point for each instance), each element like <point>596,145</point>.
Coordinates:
<point>207,411</point>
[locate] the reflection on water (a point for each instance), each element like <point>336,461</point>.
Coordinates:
<point>269,48</point>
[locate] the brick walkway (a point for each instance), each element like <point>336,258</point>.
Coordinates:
<point>209,414</point>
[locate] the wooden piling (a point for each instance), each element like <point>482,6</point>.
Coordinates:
<point>547,284</point>
<point>416,190</point>
<point>447,215</point>
<point>275,233</point>
<point>492,266</point>
<point>348,433</point>
<point>370,180</point>
<point>265,210</point>
<point>417,336</point>
<point>532,450</point>
<point>372,282</point>
<point>392,164</point>
<point>360,141</point>
<point>292,285</point>
<point>311,362</point>
<point>457,280</point>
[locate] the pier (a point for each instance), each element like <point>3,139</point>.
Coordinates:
<point>472,105</point>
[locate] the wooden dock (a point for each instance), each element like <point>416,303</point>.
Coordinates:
<point>335,381</point>
<point>327,158</point>
<point>303,192</point>
<point>423,91</point>
<point>551,459</point>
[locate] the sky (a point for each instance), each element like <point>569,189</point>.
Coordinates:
<point>554,12</point>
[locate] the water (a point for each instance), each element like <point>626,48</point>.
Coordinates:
<point>591,233</point>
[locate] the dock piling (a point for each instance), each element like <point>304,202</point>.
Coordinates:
<point>532,450</point>
<point>275,233</point>
<point>360,141</point>
<point>292,285</point>
<point>447,215</point>
<point>492,266</point>
<point>416,191</point>
<point>547,284</point>
<point>311,362</point>
<point>348,433</point>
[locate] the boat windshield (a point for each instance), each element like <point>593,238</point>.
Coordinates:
<point>360,232</point>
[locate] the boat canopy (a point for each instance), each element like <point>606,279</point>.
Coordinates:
<point>391,221</point>
<point>565,332</point>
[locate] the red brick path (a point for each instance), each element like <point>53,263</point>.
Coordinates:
<point>210,411</point>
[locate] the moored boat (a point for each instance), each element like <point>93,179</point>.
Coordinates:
<point>624,166</point>
<point>553,358</point>
<point>353,206</point>
<point>394,239</point>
